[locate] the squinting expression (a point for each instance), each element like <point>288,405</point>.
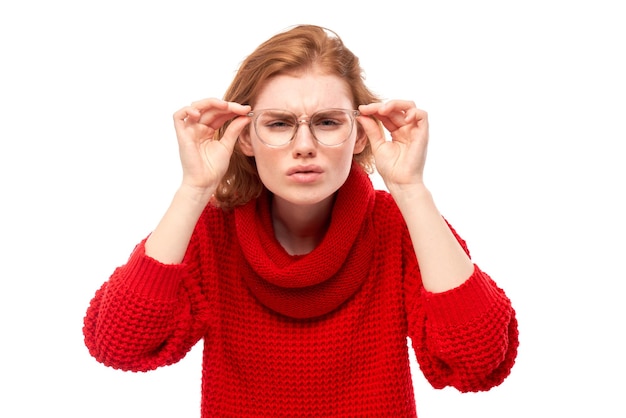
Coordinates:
<point>303,172</point>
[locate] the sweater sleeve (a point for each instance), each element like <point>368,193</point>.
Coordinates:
<point>466,337</point>
<point>145,316</point>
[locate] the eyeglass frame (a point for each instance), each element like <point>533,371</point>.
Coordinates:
<point>353,113</point>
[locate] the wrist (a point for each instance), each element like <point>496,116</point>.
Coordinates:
<point>196,195</point>
<point>409,192</point>
<point>415,200</point>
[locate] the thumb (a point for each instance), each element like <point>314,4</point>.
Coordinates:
<point>373,129</point>
<point>232,132</point>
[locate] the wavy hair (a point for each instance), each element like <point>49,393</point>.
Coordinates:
<point>296,50</point>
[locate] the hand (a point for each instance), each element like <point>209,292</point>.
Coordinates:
<point>400,162</point>
<point>205,160</point>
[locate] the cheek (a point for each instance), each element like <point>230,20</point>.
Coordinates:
<point>266,161</point>
<point>342,161</point>
<point>260,152</point>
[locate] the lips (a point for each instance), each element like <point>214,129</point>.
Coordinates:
<point>304,169</point>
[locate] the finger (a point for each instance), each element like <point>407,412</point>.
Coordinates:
<point>370,109</point>
<point>397,105</point>
<point>210,103</point>
<point>414,114</point>
<point>389,108</point>
<point>185,115</point>
<point>399,112</point>
<point>396,113</point>
<point>232,132</point>
<point>239,109</point>
<point>390,114</point>
<point>220,106</point>
<point>216,117</point>
<point>386,121</point>
<point>373,130</point>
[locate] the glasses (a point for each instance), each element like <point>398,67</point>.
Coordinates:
<point>277,128</point>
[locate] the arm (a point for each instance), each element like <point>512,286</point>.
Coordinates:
<point>462,326</point>
<point>443,262</point>
<point>150,311</point>
<point>204,163</point>
<point>144,317</point>
<point>466,337</point>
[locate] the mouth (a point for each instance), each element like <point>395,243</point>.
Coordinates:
<point>308,174</point>
<point>308,169</point>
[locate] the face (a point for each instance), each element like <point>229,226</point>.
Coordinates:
<point>303,172</point>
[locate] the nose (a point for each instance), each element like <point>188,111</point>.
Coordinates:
<point>304,143</point>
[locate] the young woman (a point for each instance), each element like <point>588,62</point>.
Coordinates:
<point>302,280</point>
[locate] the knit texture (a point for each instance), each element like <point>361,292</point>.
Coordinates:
<point>330,343</point>
<point>304,287</point>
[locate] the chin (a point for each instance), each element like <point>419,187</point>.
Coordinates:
<point>306,197</point>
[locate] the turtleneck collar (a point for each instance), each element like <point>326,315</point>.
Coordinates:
<point>316,283</point>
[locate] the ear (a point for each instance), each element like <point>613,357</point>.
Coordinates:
<point>245,143</point>
<point>361,139</point>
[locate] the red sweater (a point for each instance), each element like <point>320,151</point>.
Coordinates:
<point>323,334</point>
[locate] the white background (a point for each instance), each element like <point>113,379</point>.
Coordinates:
<point>527,105</point>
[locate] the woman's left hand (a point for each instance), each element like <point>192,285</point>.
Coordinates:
<point>400,161</point>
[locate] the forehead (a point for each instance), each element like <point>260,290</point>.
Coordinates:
<point>304,92</point>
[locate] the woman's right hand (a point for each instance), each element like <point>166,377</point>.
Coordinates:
<point>205,160</point>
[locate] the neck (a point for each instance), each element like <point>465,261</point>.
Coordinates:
<point>300,229</point>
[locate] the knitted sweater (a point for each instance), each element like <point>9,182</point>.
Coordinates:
<point>324,334</point>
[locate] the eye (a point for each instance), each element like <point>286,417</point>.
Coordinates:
<point>330,120</point>
<point>278,124</point>
<point>276,121</point>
